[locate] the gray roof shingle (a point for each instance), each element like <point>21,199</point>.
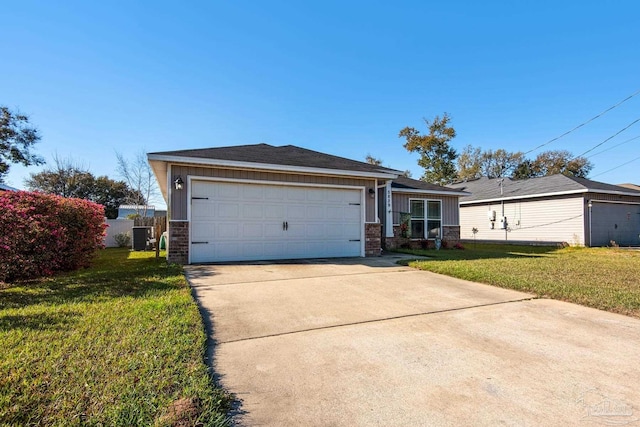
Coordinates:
<point>288,155</point>
<point>489,188</point>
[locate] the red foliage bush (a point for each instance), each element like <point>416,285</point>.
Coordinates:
<point>41,234</point>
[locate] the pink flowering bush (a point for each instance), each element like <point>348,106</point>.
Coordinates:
<point>41,234</point>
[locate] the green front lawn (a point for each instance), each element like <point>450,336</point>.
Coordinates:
<point>603,278</point>
<point>118,344</point>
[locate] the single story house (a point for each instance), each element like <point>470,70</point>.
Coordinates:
<point>262,202</point>
<point>551,209</point>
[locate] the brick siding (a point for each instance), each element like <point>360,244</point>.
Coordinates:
<point>178,249</point>
<point>373,239</point>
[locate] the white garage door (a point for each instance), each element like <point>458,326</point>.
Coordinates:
<point>243,222</point>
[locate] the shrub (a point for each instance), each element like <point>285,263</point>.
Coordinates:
<point>42,234</point>
<point>123,240</point>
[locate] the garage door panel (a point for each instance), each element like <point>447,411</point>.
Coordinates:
<point>204,230</point>
<point>296,194</point>
<point>315,212</point>
<point>295,212</point>
<point>227,231</point>
<point>315,231</point>
<point>273,193</point>
<point>222,191</point>
<point>252,231</point>
<point>252,192</point>
<point>245,222</point>
<point>228,210</point>
<point>253,211</point>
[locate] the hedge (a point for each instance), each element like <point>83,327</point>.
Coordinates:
<point>43,234</point>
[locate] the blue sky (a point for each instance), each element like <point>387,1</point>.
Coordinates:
<point>333,76</point>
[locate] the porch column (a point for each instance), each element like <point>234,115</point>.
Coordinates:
<point>388,218</point>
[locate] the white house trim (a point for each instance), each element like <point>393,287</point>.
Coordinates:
<point>388,203</point>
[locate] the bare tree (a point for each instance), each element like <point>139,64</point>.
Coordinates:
<point>138,175</point>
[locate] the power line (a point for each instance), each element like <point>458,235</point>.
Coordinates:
<point>617,167</point>
<point>549,223</point>
<point>611,137</point>
<point>615,146</point>
<point>584,123</point>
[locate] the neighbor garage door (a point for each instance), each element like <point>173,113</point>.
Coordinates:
<point>615,222</point>
<point>242,222</point>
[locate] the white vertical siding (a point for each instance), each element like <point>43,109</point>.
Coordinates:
<point>547,220</point>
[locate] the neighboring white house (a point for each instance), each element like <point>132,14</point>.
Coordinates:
<point>261,202</point>
<point>550,209</point>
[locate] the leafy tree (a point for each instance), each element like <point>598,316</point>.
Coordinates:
<point>474,163</point>
<point>138,175</point>
<point>470,163</point>
<point>111,194</point>
<point>65,179</point>
<point>436,155</point>
<point>71,180</point>
<point>553,162</point>
<point>500,163</point>
<point>17,138</point>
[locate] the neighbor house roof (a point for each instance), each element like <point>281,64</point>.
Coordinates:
<point>288,158</point>
<point>407,185</point>
<point>488,189</point>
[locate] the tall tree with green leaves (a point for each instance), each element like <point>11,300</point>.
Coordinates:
<point>68,179</point>
<point>437,157</point>
<point>553,162</point>
<point>473,163</point>
<point>17,138</point>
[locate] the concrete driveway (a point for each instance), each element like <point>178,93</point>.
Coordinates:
<point>364,342</point>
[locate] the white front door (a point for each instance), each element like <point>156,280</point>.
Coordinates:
<point>240,222</point>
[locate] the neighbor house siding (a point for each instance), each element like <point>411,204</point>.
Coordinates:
<point>179,198</point>
<point>450,211</point>
<point>541,220</point>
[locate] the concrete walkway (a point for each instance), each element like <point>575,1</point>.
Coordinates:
<point>364,342</point>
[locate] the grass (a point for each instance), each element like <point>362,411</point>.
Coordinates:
<point>603,278</point>
<point>119,344</point>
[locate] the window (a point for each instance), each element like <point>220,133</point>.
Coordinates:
<point>432,216</point>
